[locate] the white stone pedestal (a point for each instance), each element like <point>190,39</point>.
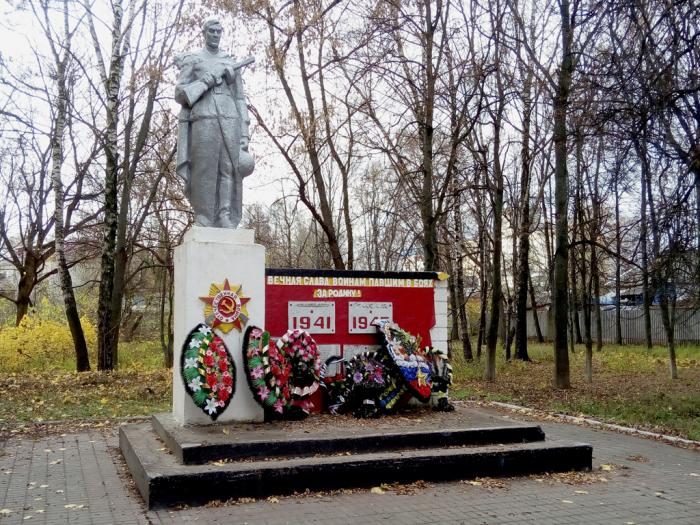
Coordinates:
<point>206,256</point>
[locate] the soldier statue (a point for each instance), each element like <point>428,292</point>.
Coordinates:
<point>212,146</point>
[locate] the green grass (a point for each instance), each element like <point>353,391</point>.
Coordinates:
<point>657,411</point>
<point>631,385</point>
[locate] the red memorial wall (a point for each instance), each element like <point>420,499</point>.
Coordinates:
<point>338,307</point>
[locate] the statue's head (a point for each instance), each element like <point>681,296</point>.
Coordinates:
<point>212,33</point>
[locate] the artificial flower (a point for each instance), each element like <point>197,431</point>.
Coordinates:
<point>196,384</point>
<point>211,406</point>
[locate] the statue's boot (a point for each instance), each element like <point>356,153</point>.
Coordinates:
<point>224,219</point>
<point>202,220</point>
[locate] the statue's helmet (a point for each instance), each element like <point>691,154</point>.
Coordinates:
<point>246,163</point>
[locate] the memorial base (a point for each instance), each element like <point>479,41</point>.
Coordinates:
<point>174,465</point>
<point>209,256</point>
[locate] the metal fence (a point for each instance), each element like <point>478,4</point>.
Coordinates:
<point>686,327</point>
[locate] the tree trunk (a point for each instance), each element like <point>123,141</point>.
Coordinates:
<point>660,281</point>
<point>640,147</point>
<point>523,269</point>
<point>561,185</point>
<point>574,298</point>
<point>25,286</point>
<point>496,287</point>
<point>483,279</point>
<point>583,263</point>
<point>463,315</point>
<point>82,360</point>
<point>618,269</point>
<point>596,299</point>
<point>483,306</point>
<point>461,299</point>
<point>595,235</point>
<point>666,319</point>
<point>454,309</point>
<point>509,329</point>
<point>533,306</point>
<point>165,325</point>
<point>107,357</point>
<point>430,246</point>
<point>570,323</point>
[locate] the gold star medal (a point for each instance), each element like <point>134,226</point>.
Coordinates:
<point>225,308</point>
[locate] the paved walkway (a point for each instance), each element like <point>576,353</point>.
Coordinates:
<point>80,478</point>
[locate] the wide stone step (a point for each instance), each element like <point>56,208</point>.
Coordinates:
<point>196,445</point>
<point>162,480</point>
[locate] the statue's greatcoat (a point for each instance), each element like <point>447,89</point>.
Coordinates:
<point>213,125</point>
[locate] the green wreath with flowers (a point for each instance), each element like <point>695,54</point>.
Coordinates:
<point>207,371</point>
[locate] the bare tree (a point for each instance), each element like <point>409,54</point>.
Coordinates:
<point>303,45</point>
<point>60,44</point>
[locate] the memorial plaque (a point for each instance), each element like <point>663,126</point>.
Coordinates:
<point>362,316</point>
<point>313,317</point>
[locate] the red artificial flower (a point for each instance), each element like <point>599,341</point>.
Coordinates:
<point>227,380</point>
<point>223,394</point>
<point>211,380</point>
<point>209,360</point>
<point>223,365</point>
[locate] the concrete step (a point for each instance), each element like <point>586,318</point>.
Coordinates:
<point>163,480</point>
<point>197,445</point>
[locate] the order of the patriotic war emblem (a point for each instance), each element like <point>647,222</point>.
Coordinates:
<point>226,307</point>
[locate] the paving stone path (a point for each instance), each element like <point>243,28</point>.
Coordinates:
<point>80,479</point>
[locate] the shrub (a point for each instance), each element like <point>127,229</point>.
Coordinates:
<point>40,343</point>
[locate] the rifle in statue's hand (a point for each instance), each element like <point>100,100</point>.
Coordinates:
<point>229,72</point>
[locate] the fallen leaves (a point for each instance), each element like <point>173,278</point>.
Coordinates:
<point>73,395</point>
<point>487,483</point>
<point>570,478</point>
<point>629,388</point>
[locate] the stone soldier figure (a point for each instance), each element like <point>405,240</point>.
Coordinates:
<point>212,148</point>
